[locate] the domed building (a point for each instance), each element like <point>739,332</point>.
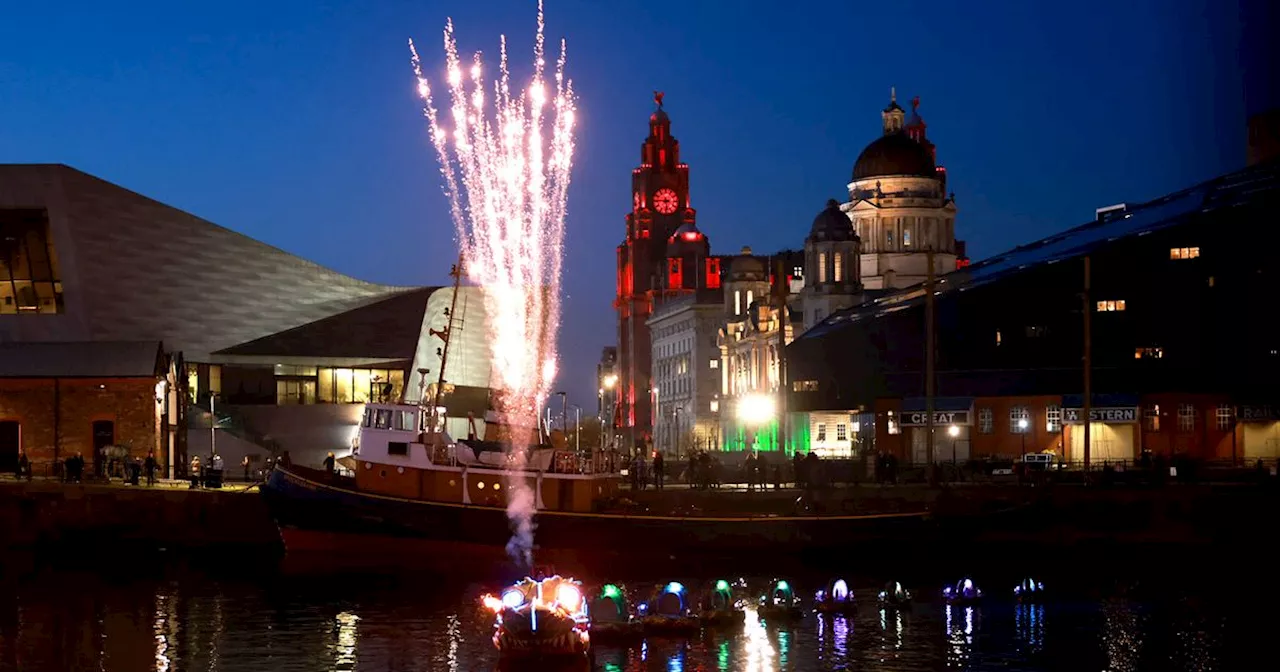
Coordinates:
<point>899,205</point>
<point>832,257</point>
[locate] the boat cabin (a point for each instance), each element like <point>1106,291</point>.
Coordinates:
<point>398,455</point>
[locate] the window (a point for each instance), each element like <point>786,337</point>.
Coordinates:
<point>750,299</point>
<point>997,338</point>
<point>193,381</point>
<point>346,386</point>
<point>1184,253</point>
<point>1225,415</point>
<point>804,386</point>
<point>1148,353</point>
<point>888,238</point>
<point>1186,417</point>
<point>1152,416</point>
<point>1110,306</point>
<point>1053,418</point>
<point>842,432</point>
<point>986,421</point>
<point>715,363</point>
<point>893,424</point>
<point>737,302</point>
<point>30,279</point>
<point>400,448</point>
<point>906,238</point>
<point>798,272</point>
<point>715,405</point>
<point>822,267</point>
<point>838,273</point>
<point>821,432</point>
<point>215,379</point>
<point>1019,420</point>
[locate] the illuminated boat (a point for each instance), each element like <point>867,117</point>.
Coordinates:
<point>611,617</point>
<point>836,598</point>
<point>719,607</point>
<point>894,596</point>
<point>964,592</point>
<point>780,602</point>
<point>1029,591</point>
<point>669,611</point>
<point>544,619</point>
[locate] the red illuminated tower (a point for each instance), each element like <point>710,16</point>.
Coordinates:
<point>663,254</point>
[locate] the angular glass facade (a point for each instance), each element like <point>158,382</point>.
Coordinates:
<point>30,282</point>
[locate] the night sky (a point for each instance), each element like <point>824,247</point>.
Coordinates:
<point>297,123</point>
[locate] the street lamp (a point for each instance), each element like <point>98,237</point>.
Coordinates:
<point>1022,429</point>
<point>953,431</point>
<point>756,409</point>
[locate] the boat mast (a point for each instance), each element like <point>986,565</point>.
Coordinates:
<point>445,335</point>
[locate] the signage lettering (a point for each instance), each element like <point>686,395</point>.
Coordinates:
<point>1257,413</point>
<point>1127,414</point>
<point>940,418</point>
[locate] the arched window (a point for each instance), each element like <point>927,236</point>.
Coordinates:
<point>822,267</point>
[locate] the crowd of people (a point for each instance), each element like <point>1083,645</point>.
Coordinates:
<point>705,470</point>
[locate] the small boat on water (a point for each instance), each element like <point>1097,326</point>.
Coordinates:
<point>1029,591</point>
<point>611,615</point>
<point>669,612</point>
<point>894,596</point>
<point>719,607</point>
<point>836,598</point>
<point>780,603</point>
<point>964,592</point>
<point>540,620</point>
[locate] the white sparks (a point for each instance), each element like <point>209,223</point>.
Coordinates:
<point>508,203</point>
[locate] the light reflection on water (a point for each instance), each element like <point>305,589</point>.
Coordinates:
<point>57,622</point>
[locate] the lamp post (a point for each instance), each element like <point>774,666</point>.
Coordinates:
<point>213,426</point>
<point>675,436</point>
<point>564,415</point>
<point>953,431</point>
<point>1022,429</point>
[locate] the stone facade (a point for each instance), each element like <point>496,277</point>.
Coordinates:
<point>56,417</point>
<point>686,375</point>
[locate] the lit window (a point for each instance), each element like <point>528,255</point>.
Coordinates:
<point>822,267</point>
<point>737,302</point>
<point>986,421</point>
<point>1019,420</point>
<point>821,432</point>
<point>215,379</point>
<point>1225,415</point>
<point>715,405</point>
<point>1148,353</point>
<point>1184,253</point>
<point>1186,417</point>
<point>906,239</point>
<point>715,363</point>
<point>893,424</point>
<point>838,270</point>
<point>1053,418</point>
<point>798,271</point>
<point>30,279</point>
<point>842,432</point>
<point>997,338</point>
<point>1110,306</point>
<point>804,386</point>
<point>888,238</point>
<point>1153,418</point>
<point>750,298</point>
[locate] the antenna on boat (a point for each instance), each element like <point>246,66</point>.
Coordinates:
<point>445,335</point>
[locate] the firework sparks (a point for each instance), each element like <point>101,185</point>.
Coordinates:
<point>506,173</point>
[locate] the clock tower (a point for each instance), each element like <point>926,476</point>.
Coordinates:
<point>659,209</point>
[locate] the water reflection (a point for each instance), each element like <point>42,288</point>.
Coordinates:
<point>960,629</point>
<point>59,622</point>
<point>1028,620</point>
<point>344,649</point>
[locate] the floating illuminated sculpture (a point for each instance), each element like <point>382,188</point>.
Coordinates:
<point>668,611</point>
<point>894,596</point>
<point>964,592</point>
<point>1029,591</point>
<point>720,606</point>
<point>836,598</point>
<point>540,619</point>
<point>611,617</point>
<point>780,602</point>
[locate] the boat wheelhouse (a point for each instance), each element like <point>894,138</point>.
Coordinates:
<point>400,454</point>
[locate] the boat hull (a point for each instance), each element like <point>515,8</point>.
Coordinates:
<point>313,515</point>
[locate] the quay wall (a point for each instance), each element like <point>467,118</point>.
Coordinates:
<point>37,514</point>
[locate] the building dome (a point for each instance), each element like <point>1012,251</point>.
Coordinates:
<point>894,154</point>
<point>746,267</point>
<point>832,224</point>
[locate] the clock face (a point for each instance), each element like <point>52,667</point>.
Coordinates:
<point>665,201</point>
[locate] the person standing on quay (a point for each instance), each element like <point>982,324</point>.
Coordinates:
<point>245,464</point>
<point>22,466</point>
<point>657,470</point>
<point>150,467</point>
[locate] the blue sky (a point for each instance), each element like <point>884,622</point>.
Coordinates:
<point>297,122</point>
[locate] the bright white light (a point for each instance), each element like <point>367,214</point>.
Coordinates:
<point>756,408</point>
<point>1022,423</point>
<point>955,431</point>
<point>512,599</point>
<point>675,587</point>
<point>569,596</point>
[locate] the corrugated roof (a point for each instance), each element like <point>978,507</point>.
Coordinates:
<point>1220,193</point>
<point>97,359</point>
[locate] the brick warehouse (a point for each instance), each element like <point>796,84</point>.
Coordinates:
<point>1184,359</point>
<point>62,399</point>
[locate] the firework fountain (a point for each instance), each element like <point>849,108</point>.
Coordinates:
<point>506,173</point>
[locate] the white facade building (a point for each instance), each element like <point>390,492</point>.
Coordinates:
<point>686,375</point>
